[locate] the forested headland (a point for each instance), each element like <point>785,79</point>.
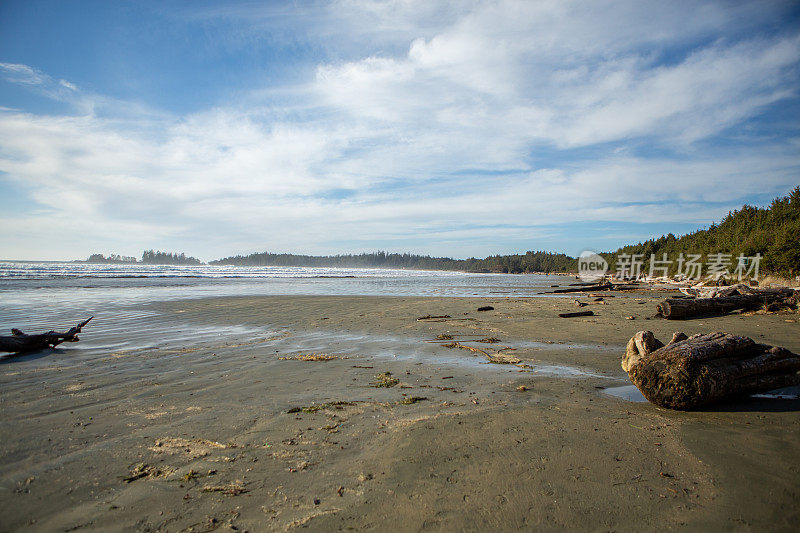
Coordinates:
<point>773,232</point>
<point>516,264</point>
<point>149,257</point>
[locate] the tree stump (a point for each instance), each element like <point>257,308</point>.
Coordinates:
<point>706,368</point>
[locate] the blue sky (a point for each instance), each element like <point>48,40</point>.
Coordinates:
<point>450,128</point>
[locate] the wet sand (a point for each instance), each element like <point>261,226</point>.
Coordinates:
<point>198,435</point>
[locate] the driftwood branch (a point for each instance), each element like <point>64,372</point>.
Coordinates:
<point>706,368</point>
<point>19,342</point>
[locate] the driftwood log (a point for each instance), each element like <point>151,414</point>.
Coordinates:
<point>586,288</point>
<point>19,342</point>
<point>683,308</point>
<point>706,368</point>
<point>575,314</point>
<point>595,287</point>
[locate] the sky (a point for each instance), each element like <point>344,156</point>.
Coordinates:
<point>464,128</point>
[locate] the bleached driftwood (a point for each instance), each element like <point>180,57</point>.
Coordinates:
<point>722,302</point>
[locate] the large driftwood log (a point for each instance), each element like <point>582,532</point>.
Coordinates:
<point>576,313</point>
<point>19,342</point>
<point>585,288</point>
<point>706,368</point>
<point>683,308</point>
<point>595,287</point>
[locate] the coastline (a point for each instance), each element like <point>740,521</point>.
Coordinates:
<point>210,423</point>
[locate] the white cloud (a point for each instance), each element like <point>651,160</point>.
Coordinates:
<point>468,134</point>
<point>504,72</point>
<point>23,74</point>
<point>40,82</point>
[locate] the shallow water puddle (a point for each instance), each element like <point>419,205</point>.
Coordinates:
<point>561,371</point>
<point>786,393</point>
<point>625,392</point>
<point>147,330</point>
<point>632,394</point>
<point>425,351</point>
<point>538,345</point>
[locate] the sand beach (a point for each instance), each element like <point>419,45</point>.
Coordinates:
<point>374,265</point>
<point>285,424</point>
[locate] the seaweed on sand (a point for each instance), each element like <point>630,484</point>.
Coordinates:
<point>412,400</point>
<point>231,489</point>
<point>319,407</point>
<point>385,379</point>
<point>309,357</point>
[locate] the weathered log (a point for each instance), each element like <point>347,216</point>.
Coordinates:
<point>19,342</point>
<point>706,368</point>
<point>734,290</point>
<point>628,287</point>
<point>603,287</point>
<point>576,313</point>
<point>430,317</point>
<point>588,288</point>
<point>682,308</point>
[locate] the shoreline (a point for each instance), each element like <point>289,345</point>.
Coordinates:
<point>207,427</point>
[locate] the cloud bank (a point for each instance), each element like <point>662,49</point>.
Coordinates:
<point>455,129</point>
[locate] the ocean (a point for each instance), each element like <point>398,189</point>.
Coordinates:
<point>37,297</point>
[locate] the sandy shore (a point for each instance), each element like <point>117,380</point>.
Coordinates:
<point>200,437</point>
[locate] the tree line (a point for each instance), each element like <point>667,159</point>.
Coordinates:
<point>773,232</point>
<point>112,258</point>
<point>512,264</point>
<point>149,257</point>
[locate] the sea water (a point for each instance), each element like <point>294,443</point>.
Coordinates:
<point>37,297</point>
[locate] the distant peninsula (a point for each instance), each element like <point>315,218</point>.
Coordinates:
<point>149,257</point>
<point>771,232</point>
<point>529,262</point>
